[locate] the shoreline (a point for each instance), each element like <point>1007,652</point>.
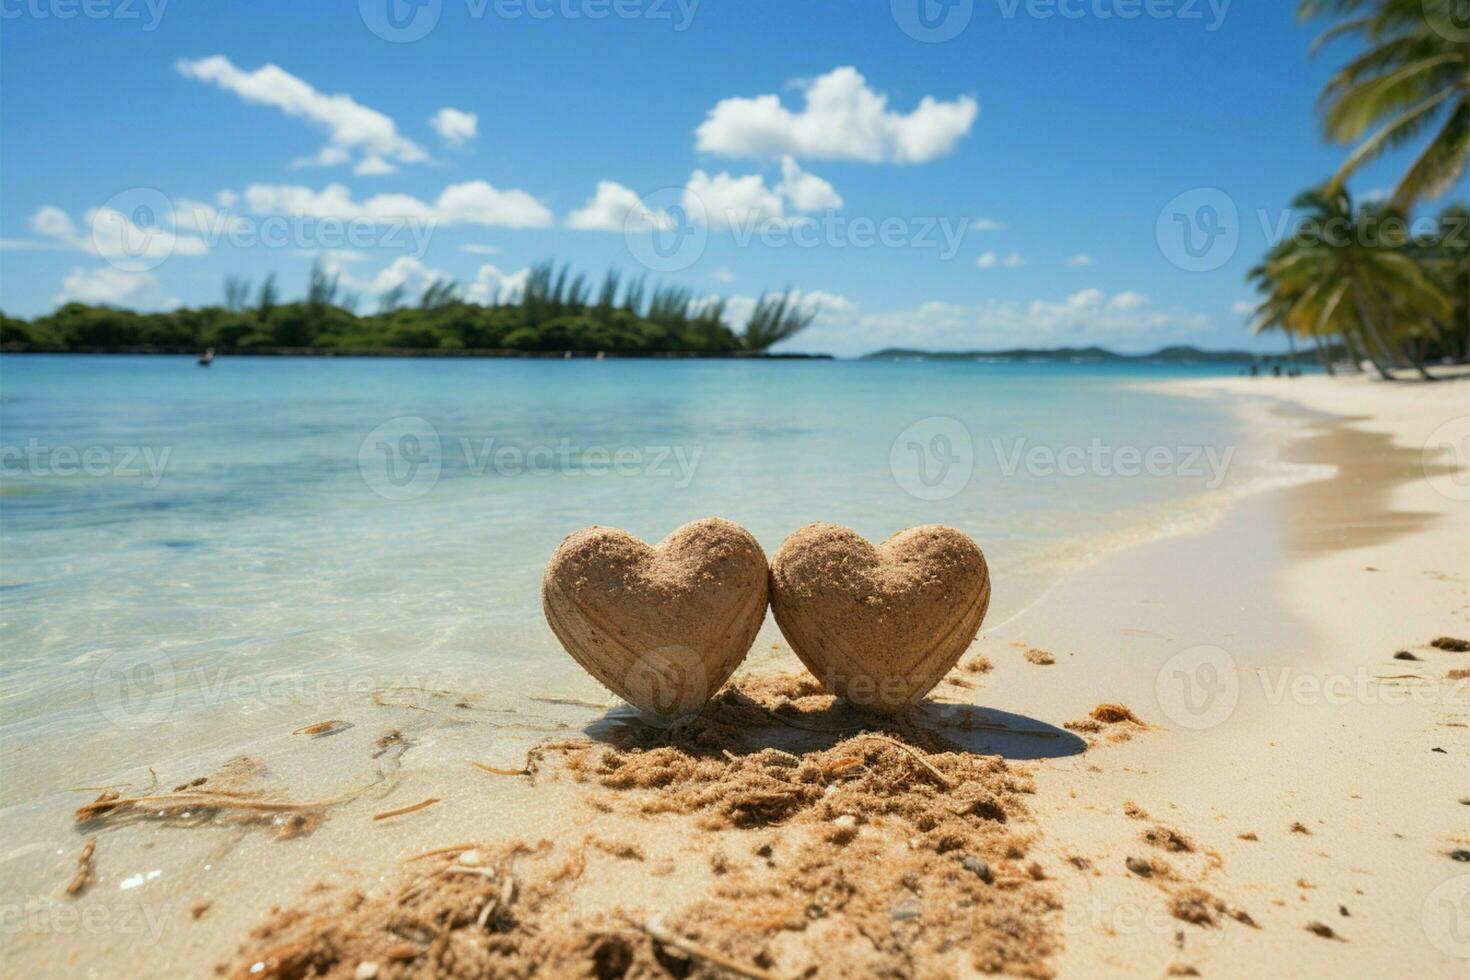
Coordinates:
<point>1298,607</point>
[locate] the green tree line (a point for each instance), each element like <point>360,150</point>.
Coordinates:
<point>556,310</point>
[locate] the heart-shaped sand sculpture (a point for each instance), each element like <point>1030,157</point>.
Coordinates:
<point>664,626</point>
<point>879,626</point>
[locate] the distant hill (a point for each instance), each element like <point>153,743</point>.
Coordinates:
<point>1072,355</point>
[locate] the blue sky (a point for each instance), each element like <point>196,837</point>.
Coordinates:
<point>1002,187</point>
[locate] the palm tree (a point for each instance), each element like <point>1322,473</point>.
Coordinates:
<point>1274,313</point>
<point>1445,255</point>
<point>1413,77</point>
<point>1342,278</point>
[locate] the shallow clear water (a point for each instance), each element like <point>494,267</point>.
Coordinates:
<point>246,542</point>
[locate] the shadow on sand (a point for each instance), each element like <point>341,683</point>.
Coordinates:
<point>793,714</point>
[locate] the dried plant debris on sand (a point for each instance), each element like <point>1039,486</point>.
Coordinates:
<point>862,862</point>
<point>241,791</point>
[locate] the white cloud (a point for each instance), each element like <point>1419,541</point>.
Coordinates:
<point>349,125</point>
<point>994,260</point>
<point>613,208</point>
<point>27,245</point>
<point>411,273</point>
<point>455,127</point>
<point>986,224</point>
<point>1243,307</point>
<point>732,202</point>
<point>327,156</point>
<point>492,285</point>
<point>114,236</point>
<point>1079,260</point>
<point>374,166</point>
<point>843,119</point>
<point>475,248</point>
<point>474,202</point>
<point>722,274</point>
<point>108,286</point>
<point>806,192</point>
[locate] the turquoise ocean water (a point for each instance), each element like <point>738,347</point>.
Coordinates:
<point>181,542</point>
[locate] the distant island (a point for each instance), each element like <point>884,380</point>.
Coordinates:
<point>1074,355</point>
<point>555,313</point>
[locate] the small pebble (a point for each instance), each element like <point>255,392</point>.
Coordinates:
<point>1465,801</point>
<point>907,909</point>
<point>1139,867</point>
<point>847,821</point>
<point>1321,929</point>
<point>1342,911</point>
<point>366,970</point>
<point>979,869</point>
<point>1460,855</point>
<point>471,859</point>
<point>1404,655</point>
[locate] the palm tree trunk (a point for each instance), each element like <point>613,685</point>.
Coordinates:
<point>1406,351</point>
<point>1356,356</point>
<point>1322,355</point>
<point>1370,331</point>
<point>1291,348</point>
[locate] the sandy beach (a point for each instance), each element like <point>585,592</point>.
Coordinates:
<point>1286,791</point>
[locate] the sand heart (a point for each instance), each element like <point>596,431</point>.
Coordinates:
<point>662,627</point>
<point>879,626</point>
